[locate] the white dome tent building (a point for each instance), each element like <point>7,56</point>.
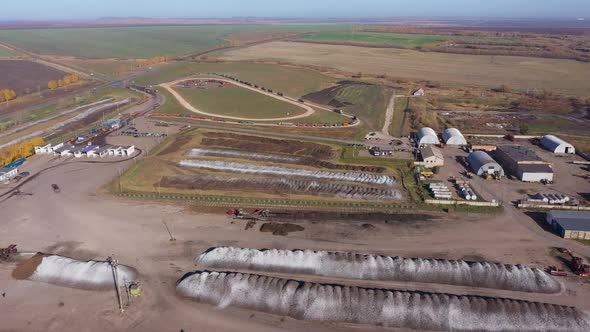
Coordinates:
<point>452,136</point>
<point>427,135</point>
<point>482,164</point>
<point>557,145</point>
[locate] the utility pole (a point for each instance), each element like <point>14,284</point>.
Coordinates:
<point>120,184</point>
<point>114,262</point>
<point>172,238</point>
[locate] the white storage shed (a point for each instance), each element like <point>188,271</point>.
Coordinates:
<point>427,135</point>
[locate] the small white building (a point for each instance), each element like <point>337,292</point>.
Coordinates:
<point>419,93</point>
<point>103,151</point>
<point>432,157</point>
<point>63,150</point>
<point>427,135</point>
<point>128,150</point>
<point>7,173</point>
<point>43,149</point>
<point>115,151</point>
<point>557,145</point>
<point>452,136</point>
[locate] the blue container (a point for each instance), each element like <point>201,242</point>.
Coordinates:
<point>16,163</point>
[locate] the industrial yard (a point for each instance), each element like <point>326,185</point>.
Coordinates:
<point>238,176</point>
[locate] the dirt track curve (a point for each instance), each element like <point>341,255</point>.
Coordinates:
<point>168,86</point>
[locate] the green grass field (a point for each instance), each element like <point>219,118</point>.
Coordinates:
<point>239,102</point>
<point>6,52</point>
<point>373,38</point>
<point>390,39</point>
<point>294,82</point>
<point>368,102</point>
<point>137,42</point>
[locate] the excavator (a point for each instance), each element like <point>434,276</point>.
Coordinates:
<point>577,264</point>
<point>258,214</point>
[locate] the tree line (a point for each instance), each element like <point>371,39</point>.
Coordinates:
<point>64,81</point>
<point>152,61</point>
<point>20,150</point>
<point>7,95</point>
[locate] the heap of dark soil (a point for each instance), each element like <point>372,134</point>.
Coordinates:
<point>281,229</point>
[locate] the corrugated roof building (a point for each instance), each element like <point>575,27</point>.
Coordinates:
<point>452,136</point>
<point>556,145</point>
<point>427,135</point>
<point>570,224</point>
<point>523,163</point>
<point>482,164</point>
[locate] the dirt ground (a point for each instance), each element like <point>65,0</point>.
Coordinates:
<point>23,76</point>
<point>83,222</point>
<point>267,145</point>
<point>508,190</point>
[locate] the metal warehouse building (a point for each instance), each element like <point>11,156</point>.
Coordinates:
<point>557,145</point>
<point>427,135</point>
<point>483,164</point>
<point>523,163</point>
<point>570,224</point>
<point>453,136</point>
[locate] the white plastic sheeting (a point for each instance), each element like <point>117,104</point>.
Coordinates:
<point>374,267</point>
<point>388,308</point>
<point>68,272</point>
<point>289,171</point>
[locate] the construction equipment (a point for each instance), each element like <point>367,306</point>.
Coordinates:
<point>5,253</point>
<point>258,214</point>
<point>427,174</point>
<point>554,271</point>
<point>577,264</point>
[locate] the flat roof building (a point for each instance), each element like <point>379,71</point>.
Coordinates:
<point>482,164</point>
<point>427,135</point>
<point>7,173</point>
<point>452,136</point>
<point>523,163</point>
<point>556,145</point>
<point>570,224</point>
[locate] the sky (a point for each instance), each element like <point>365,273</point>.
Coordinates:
<point>91,9</point>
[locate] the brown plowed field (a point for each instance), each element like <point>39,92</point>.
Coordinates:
<point>26,76</point>
<point>267,145</point>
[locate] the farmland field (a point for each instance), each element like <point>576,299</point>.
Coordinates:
<point>564,76</point>
<point>392,39</point>
<point>293,82</point>
<point>134,42</point>
<point>174,167</point>
<point>373,38</point>
<point>5,52</point>
<point>238,102</point>
<point>109,67</point>
<point>26,76</point>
